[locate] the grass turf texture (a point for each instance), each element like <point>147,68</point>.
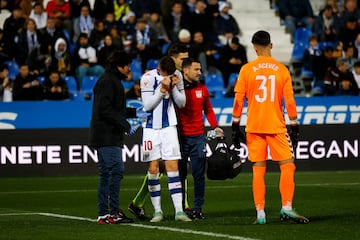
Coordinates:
<point>331,200</point>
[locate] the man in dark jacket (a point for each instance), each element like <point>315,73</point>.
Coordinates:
<point>107,130</point>
<point>232,58</point>
<point>296,13</point>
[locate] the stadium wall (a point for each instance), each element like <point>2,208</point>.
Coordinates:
<point>50,138</point>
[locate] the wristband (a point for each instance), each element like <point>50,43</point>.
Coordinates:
<point>235,119</point>
<point>294,122</point>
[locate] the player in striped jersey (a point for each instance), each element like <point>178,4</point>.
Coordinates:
<point>265,83</point>
<point>161,88</point>
<point>178,52</point>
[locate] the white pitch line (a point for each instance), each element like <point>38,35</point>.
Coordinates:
<point>209,187</point>
<point>171,229</point>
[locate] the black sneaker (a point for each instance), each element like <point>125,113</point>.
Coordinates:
<point>121,218</point>
<point>189,212</point>
<point>139,212</point>
<point>197,215</point>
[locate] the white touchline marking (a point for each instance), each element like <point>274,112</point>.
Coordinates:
<point>208,187</point>
<point>188,231</point>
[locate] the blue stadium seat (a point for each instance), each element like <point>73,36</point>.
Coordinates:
<point>13,69</point>
<point>165,48</point>
<point>88,85</point>
<point>136,70</point>
<point>305,73</point>
<point>71,46</point>
<point>215,83</point>
<point>233,78</point>
<point>298,52</point>
<point>302,35</point>
<point>41,79</point>
<point>127,84</point>
<point>323,45</point>
<point>72,85</point>
<point>152,64</point>
<point>301,42</point>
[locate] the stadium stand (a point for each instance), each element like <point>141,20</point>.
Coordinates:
<point>13,68</point>
<point>233,78</point>
<point>247,15</point>
<point>88,86</point>
<point>152,64</point>
<point>215,84</point>
<point>136,70</point>
<point>72,85</point>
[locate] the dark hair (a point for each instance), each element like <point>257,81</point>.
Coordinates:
<point>167,65</point>
<point>187,62</point>
<point>177,2</point>
<point>55,71</point>
<point>235,40</point>
<point>3,66</point>
<point>83,35</point>
<point>261,38</point>
<point>313,37</point>
<point>357,64</point>
<point>119,58</point>
<point>177,48</point>
<point>328,7</point>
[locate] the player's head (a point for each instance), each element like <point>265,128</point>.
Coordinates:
<point>261,38</point>
<point>178,52</point>
<point>262,42</point>
<point>166,66</point>
<point>191,69</point>
<point>121,61</point>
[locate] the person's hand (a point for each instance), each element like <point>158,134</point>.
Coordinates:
<point>237,135</point>
<point>59,89</point>
<point>27,85</point>
<point>140,113</point>
<point>294,134</point>
<point>6,82</point>
<point>35,83</point>
<point>165,84</point>
<point>174,79</point>
<point>219,132</point>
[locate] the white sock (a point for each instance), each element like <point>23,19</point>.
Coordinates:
<point>154,189</point>
<point>260,214</point>
<point>175,189</point>
<point>287,208</point>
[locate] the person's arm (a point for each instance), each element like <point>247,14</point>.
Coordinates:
<point>179,97</point>
<point>208,110</point>
<point>105,98</point>
<point>151,97</point>
<point>178,92</point>
<point>290,106</point>
<point>237,135</point>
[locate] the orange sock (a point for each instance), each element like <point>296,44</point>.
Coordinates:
<point>258,185</point>
<point>287,184</point>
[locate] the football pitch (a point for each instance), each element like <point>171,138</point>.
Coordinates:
<point>65,208</point>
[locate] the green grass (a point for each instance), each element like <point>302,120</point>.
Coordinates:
<point>331,200</point>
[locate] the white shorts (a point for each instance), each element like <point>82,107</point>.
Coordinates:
<point>160,144</point>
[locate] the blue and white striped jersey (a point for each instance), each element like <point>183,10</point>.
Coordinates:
<point>161,105</point>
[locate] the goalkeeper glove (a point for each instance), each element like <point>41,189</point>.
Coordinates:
<point>140,113</point>
<point>237,135</point>
<point>294,134</point>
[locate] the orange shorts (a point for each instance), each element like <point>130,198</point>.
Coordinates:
<point>276,147</point>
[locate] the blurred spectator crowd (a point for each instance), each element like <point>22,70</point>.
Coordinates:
<point>57,49</point>
<point>326,51</point>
